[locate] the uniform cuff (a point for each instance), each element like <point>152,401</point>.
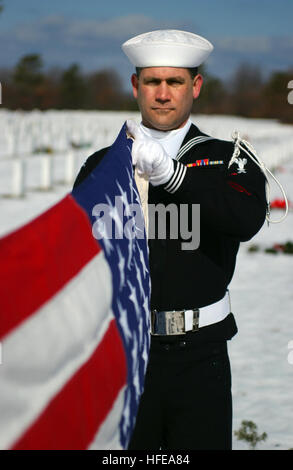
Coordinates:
<point>177,178</point>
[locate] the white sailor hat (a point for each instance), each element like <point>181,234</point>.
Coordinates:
<point>167,48</point>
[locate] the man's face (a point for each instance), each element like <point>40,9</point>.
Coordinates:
<point>165,96</point>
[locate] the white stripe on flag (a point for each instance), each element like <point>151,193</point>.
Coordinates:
<point>108,435</point>
<point>45,351</point>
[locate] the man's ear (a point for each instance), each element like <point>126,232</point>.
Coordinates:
<point>197,83</point>
<point>134,82</point>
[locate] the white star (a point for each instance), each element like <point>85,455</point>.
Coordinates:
<point>142,260</point>
<point>108,245</point>
<point>98,228</point>
<point>129,228</point>
<point>139,229</point>
<point>133,297</point>
<point>127,211</point>
<point>123,194</point>
<point>121,266</point>
<point>146,306</point>
<point>117,215</point>
<point>130,181</point>
<point>130,245</point>
<point>101,232</point>
<point>145,355</point>
<point>126,413</point>
<point>139,279</point>
<point>147,316</point>
<point>136,194</point>
<point>136,383</point>
<point>134,353</point>
<point>123,321</point>
<point>140,331</point>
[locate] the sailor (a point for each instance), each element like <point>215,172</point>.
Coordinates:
<point>187,402</point>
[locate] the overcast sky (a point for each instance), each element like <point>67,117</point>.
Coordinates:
<point>90,32</point>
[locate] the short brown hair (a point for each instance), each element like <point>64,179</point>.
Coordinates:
<point>193,71</point>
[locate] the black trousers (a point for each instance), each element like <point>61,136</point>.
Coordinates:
<point>186,403</point>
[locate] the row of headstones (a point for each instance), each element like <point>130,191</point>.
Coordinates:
<point>19,184</point>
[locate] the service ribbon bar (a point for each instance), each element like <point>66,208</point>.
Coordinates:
<point>205,162</point>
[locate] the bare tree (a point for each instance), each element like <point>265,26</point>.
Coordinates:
<point>246,86</point>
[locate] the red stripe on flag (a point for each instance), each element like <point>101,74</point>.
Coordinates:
<point>40,257</point>
<point>74,416</point>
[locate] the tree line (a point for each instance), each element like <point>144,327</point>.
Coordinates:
<point>247,93</point>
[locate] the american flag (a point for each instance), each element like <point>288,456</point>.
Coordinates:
<point>74,317</point>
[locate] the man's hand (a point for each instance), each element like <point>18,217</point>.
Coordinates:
<point>149,156</point>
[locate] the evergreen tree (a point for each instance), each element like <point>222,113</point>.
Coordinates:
<point>28,79</point>
<point>72,88</point>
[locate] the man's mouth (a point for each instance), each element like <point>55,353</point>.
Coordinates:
<point>162,109</point>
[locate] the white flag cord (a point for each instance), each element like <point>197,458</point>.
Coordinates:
<point>250,151</point>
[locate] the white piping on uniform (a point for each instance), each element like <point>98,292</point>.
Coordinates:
<point>177,179</point>
<point>191,143</point>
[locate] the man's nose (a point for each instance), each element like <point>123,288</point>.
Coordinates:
<point>163,93</point>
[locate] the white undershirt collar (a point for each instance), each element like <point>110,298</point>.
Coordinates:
<point>170,140</point>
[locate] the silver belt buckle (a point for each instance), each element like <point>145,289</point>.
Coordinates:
<point>172,322</point>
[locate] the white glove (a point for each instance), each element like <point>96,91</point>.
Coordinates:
<point>149,156</point>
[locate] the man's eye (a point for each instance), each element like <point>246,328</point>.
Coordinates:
<point>152,82</point>
<point>174,82</point>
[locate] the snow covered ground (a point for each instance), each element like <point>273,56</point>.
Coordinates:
<point>261,290</point>
<point>262,301</point>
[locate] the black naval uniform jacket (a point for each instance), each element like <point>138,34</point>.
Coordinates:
<point>232,209</point>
